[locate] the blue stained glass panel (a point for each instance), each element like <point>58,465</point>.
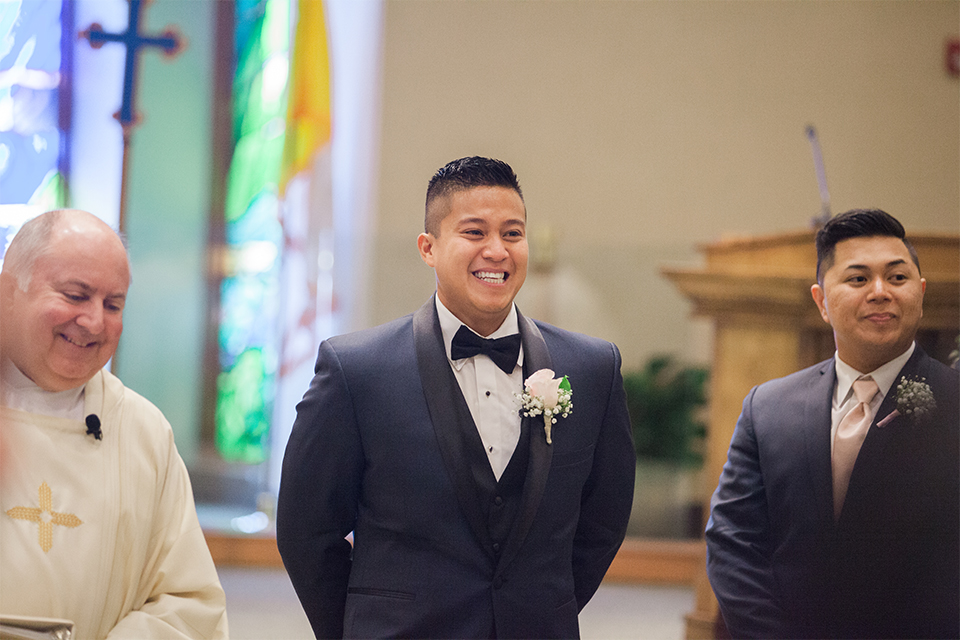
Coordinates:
<point>30,62</point>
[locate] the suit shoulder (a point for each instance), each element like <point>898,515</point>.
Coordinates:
<point>797,381</point>
<point>944,381</point>
<point>557,335</point>
<point>373,338</point>
<point>942,373</point>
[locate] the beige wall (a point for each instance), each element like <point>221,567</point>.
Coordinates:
<point>640,129</point>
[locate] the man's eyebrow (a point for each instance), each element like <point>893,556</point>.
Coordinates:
<point>892,263</point>
<point>473,220</point>
<point>86,288</point>
<point>75,283</point>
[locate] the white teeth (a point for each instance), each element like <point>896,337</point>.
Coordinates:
<point>491,277</point>
<point>79,344</point>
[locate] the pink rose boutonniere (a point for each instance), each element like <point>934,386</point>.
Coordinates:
<point>548,396</point>
<point>914,399</point>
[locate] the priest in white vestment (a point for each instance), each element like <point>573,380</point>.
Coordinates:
<point>97,520</point>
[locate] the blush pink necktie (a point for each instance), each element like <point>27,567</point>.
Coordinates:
<point>850,434</point>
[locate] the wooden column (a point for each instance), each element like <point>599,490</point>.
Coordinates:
<point>766,325</point>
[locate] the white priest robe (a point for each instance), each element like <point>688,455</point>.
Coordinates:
<point>104,532</point>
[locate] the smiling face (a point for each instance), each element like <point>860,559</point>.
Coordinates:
<point>479,254</point>
<point>67,324</point>
<point>872,296</point>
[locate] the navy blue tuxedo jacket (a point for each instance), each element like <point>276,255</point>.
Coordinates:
<point>779,563</point>
<point>378,448</point>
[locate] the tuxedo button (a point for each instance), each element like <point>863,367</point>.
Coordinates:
<point>498,501</point>
<point>497,582</point>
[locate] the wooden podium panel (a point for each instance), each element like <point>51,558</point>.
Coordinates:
<point>766,325</point>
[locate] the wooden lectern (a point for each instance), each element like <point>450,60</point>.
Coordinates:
<point>766,325</point>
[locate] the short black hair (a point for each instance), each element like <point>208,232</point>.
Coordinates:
<point>857,223</point>
<point>463,174</point>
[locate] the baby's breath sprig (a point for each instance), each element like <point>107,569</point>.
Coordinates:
<point>914,400</point>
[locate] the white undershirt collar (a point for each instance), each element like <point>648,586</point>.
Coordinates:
<point>884,376</point>
<point>17,391</point>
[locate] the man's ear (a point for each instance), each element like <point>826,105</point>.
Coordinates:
<point>923,290</point>
<point>818,296</point>
<point>425,243</point>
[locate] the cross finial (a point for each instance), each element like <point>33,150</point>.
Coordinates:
<point>170,42</point>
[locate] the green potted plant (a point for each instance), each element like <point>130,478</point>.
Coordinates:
<point>665,401</point>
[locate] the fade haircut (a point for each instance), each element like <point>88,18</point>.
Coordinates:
<point>31,242</point>
<point>857,223</point>
<point>461,175</point>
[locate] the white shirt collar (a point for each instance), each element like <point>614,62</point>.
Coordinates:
<point>884,375</point>
<point>450,324</point>
<point>17,391</point>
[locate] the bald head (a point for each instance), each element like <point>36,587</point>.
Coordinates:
<point>35,236</point>
<point>62,292</point>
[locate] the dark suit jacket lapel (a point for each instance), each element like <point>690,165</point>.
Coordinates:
<point>448,412</point>
<point>816,421</point>
<point>871,461</point>
<point>535,357</point>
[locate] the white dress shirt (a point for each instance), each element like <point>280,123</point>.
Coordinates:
<point>489,391</point>
<point>843,398</point>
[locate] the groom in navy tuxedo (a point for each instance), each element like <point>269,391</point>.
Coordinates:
<point>466,521</point>
<point>838,510</point>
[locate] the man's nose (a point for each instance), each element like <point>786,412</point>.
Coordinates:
<point>91,317</point>
<point>879,288</point>
<point>495,249</point>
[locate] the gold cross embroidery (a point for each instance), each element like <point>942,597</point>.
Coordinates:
<point>45,517</point>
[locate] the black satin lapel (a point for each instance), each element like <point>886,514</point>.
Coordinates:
<point>447,410</point>
<point>535,357</point>
<point>816,421</point>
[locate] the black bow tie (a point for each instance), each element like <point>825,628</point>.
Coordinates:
<point>503,351</point>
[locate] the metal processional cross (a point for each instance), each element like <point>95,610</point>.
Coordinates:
<point>169,42</point>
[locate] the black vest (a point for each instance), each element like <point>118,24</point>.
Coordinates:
<point>500,500</point>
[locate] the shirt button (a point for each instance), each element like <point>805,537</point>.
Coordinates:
<point>497,582</point>
<point>496,547</point>
<point>488,394</point>
<point>498,501</point>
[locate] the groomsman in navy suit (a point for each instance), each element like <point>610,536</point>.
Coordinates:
<point>838,510</point>
<point>468,521</point>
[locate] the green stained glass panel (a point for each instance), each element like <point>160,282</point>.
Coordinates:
<point>248,337</point>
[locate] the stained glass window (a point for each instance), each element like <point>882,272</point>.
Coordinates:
<point>31,143</point>
<point>248,340</point>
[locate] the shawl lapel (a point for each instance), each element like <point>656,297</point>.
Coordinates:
<point>816,422</point>
<point>535,357</point>
<point>450,419</point>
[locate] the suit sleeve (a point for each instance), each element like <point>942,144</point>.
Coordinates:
<point>607,495</point>
<point>319,489</point>
<point>739,540</point>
